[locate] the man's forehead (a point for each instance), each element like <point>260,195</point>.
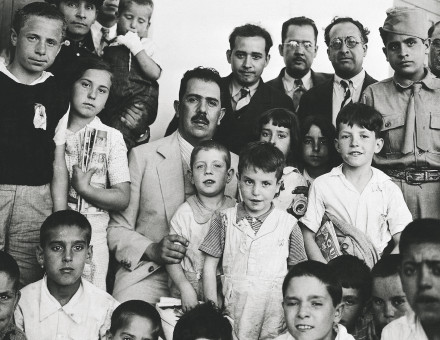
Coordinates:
<point>202,87</point>
<point>257,43</point>
<point>344,29</point>
<point>302,30</point>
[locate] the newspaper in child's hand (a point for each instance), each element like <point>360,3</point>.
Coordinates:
<point>327,241</point>
<point>94,156</point>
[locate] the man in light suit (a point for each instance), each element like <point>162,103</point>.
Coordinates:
<point>347,40</point>
<point>138,236</point>
<point>298,49</point>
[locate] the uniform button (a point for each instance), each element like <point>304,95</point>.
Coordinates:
<point>344,246</point>
<point>387,124</point>
<point>78,54</point>
<point>150,269</point>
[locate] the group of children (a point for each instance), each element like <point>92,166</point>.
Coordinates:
<point>252,258</point>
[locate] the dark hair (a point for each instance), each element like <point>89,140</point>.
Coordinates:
<point>210,145</point>
<point>203,321</point>
<point>388,265</point>
<point>432,28</point>
<point>352,272</point>
<point>124,4</point>
<point>39,9</point>
<point>327,130</point>
<point>67,218</point>
<point>287,119</point>
<point>250,30</point>
<point>361,115</point>
<point>96,3</point>
<point>298,21</point>
<point>123,313</point>
<point>9,266</point>
<point>91,62</point>
<point>262,155</point>
<point>338,20</point>
<point>320,271</point>
<point>423,230</point>
<point>207,74</point>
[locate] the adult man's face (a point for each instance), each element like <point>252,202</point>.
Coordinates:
<point>199,111</point>
<point>79,15</point>
<point>248,59</point>
<point>434,52</point>
<point>346,61</point>
<point>299,59</point>
<point>420,275</point>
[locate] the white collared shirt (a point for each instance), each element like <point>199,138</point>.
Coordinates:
<point>342,334</point>
<point>86,316</point>
<point>95,29</point>
<point>379,211</point>
<point>185,148</point>
<point>44,75</point>
<point>289,82</point>
<point>407,327</point>
<point>339,92</point>
<point>234,90</point>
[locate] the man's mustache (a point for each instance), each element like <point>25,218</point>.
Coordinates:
<point>200,118</point>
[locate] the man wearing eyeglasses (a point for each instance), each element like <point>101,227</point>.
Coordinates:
<point>298,48</point>
<point>347,40</point>
<point>434,51</point>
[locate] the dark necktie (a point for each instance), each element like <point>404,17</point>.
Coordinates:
<point>104,40</point>
<point>298,91</point>
<point>347,93</point>
<point>244,98</point>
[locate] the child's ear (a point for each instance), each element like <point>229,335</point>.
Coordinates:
<point>40,256</point>
<point>89,255</point>
<point>379,145</point>
<point>17,298</point>
<point>339,310</point>
<point>230,175</point>
<point>190,176</point>
<point>338,149</point>
<point>109,335</point>
<point>14,37</point>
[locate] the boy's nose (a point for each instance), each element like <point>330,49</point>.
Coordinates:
<point>389,310</point>
<point>67,256</point>
<point>40,48</point>
<point>316,146</point>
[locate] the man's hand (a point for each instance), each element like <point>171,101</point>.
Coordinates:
<point>81,180</point>
<point>170,250</point>
<point>135,119</point>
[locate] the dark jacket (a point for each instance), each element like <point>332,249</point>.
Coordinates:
<point>317,79</point>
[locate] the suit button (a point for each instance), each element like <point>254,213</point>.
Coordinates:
<point>387,124</point>
<point>128,265</point>
<point>150,269</point>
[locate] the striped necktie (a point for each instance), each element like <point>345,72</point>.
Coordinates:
<point>347,92</point>
<point>244,98</point>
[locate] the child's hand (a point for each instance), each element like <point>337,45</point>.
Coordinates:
<point>132,41</point>
<point>189,298</point>
<point>81,180</point>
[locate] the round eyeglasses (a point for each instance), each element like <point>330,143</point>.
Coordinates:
<point>294,44</point>
<point>350,42</point>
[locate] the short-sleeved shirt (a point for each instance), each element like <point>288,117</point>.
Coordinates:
<point>379,211</point>
<point>214,243</point>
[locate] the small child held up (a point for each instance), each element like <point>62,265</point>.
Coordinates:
<point>319,155</point>
<point>62,305</point>
<point>211,170</point>
<point>9,297</point>
<point>281,128</point>
<point>109,164</point>
<point>361,201</point>
<point>312,305</point>
<point>133,99</point>
<point>256,241</point>
<point>135,319</point>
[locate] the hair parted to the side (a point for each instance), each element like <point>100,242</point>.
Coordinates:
<point>361,115</point>
<point>287,119</point>
<point>67,218</point>
<point>364,31</point>
<point>125,311</point>
<point>9,266</point>
<point>205,321</point>
<point>423,230</point>
<point>207,74</point>
<point>352,272</point>
<point>211,145</point>
<point>96,3</point>
<point>125,4</point>
<point>320,271</point>
<point>39,9</point>
<point>387,266</point>
<point>298,21</point>
<point>263,156</point>
<point>250,30</point>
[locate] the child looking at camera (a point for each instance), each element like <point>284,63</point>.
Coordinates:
<point>210,172</point>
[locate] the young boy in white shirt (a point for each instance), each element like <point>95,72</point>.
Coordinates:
<point>355,192</point>
<point>62,305</point>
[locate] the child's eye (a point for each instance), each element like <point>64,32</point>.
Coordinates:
<point>307,141</point>
<point>398,301</point>
<point>85,84</point>
<point>264,134</point>
<point>4,297</point>
<point>248,181</point>
<point>323,141</point>
<point>282,136</point>
<point>141,21</point>
<point>365,136</point>
<point>78,247</point>
<point>57,248</point>
<point>103,91</point>
<point>128,16</point>
<point>409,270</point>
<point>436,270</point>
<point>265,184</point>
<point>32,38</point>
<point>378,302</point>
<point>90,7</point>
<point>72,4</point>
<point>411,43</point>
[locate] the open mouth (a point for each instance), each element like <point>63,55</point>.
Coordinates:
<point>209,182</point>
<point>355,153</point>
<point>304,327</point>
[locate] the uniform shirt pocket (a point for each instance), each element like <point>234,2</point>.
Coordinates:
<point>393,132</point>
<point>434,129</point>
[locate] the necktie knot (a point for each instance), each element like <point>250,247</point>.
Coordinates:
<point>244,92</point>
<point>345,84</point>
<point>298,82</point>
<point>417,87</point>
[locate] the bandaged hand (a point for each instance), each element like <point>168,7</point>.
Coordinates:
<point>132,41</point>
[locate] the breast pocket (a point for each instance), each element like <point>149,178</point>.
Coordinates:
<point>434,129</point>
<point>393,133</point>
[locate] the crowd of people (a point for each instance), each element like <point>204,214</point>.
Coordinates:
<point>303,208</point>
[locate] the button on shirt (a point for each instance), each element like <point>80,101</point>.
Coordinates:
<point>235,91</point>
<point>339,92</point>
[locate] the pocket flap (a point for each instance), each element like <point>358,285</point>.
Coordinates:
<point>435,121</point>
<point>393,121</point>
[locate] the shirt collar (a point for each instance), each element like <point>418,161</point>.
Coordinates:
<point>185,148</point>
<point>96,29</point>
<point>429,80</point>
<point>95,123</point>
<point>242,213</point>
<point>74,308</point>
<point>357,80</point>
<point>289,81</point>
<point>414,324</point>
<point>235,88</point>
<point>44,75</point>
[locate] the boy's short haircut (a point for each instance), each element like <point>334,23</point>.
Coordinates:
<point>250,30</point>
<point>361,115</point>
<point>91,62</point>
<point>210,145</point>
<point>96,3</point>
<point>423,230</point>
<point>364,31</point>
<point>387,266</point>
<point>205,321</point>
<point>39,9</point>
<point>9,266</point>
<point>352,272</point>
<point>298,21</point>
<point>320,271</point>
<point>122,314</point>
<point>66,218</point>
<point>264,156</point>
<point>207,74</point>
<point>432,28</point>
<point>125,4</point>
